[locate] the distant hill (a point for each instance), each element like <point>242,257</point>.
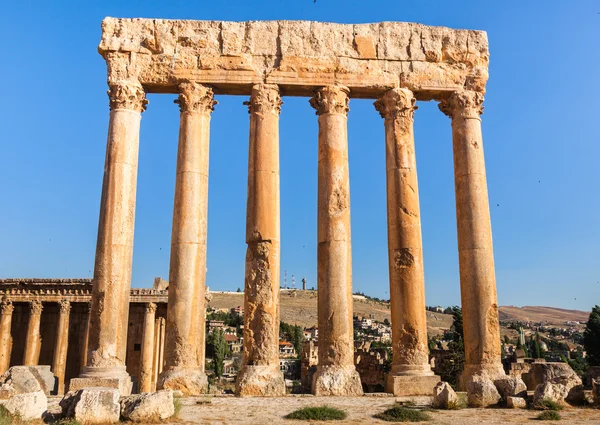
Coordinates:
<point>552,315</point>
<point>300,308</point>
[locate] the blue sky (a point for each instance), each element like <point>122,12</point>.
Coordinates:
<point>541,135</point>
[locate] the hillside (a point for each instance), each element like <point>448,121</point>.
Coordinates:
<point>300,308</point>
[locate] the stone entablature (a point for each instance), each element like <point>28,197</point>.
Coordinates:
<point>298,56</point>
<point>73,290</point>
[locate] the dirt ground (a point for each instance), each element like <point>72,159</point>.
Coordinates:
<point>360,410</point>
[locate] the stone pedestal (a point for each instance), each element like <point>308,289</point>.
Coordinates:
<point>61,346</point>
<point>260,374</point>
<point>187,274</point>
<point>336,373</point>
<point>476,256</point>
<point>147,357</point>
<point>411,373</point>
<point>111,377</point>
<point>107,343</point>
<point>33,341</point>
<point>6,311</point>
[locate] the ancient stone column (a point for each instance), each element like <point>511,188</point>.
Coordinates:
<point>83,350</point>
<point>33,340</point>
<point>336,373</point>
<point>410,373</point>
<point>147,349</point>
<point>476,256</point>
<point>114,250</point>
<point>61,346</point>
<point>6,311</point>
<point>187,275</point>
<point>260,374</point>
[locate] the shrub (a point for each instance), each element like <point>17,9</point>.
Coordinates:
<point>549,415</point>
<point>318,413</point>
<point>547,404</point>
<point>5,416</point>
<point>403,414</point>
<point>177,405</point>
<point>67,421</point>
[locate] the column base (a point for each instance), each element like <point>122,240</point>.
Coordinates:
<point>411,385</point>
<point>478,382</point>
<point>336,381</point>
<point>108,377</point>
<point>190,381</point>
<point>487,371</point>
<point>260,381</point>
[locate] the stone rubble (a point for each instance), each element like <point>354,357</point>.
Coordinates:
<point>95,405</point>
<point>516,403</point>
<point>444,396</point>
<point>148,407</point>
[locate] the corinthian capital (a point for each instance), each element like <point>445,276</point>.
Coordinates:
<point>151,308</point>
<point>396,103</point>
<point>265,98</point>
<point>35,307</point>
<point>127,95</point>
<point>6,307</point>
<point>331,100</point>
<point>65,306</point>
<point>463,104</point>
<point>194,97</point>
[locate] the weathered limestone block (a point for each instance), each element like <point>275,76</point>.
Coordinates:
<point>481,391</point>
<point>337,381</point>
<point>516,403</point>
<point>443,395</point>
<point>510,387</point>
<point>567,388</point>
<point>260,381</point>
<point>148,407</point>
<point>596,391</point>
<point>92,405</point>
<point>27,406</point>
<point>550,391</point>
<point>540,373</point>
<point>298,55</point>
<point>19,380</point>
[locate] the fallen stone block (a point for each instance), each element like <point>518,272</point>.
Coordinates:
<point>596,390</point>
<point>92,405</point>
<point>18,380</point>
<point>481,392</point>
<point>510,387</point>
<point>555,392</point>
<point>27,406</point>
<point>148,407</point>
<point>444,396</point>
<point>516,403</point>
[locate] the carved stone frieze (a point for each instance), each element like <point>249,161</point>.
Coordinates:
<point>6,307</point>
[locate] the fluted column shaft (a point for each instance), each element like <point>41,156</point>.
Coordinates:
<point>476,256</point>
<point>61,345</point>
<point>187,274</point>
<point>405,248</point>
<point>109,315</point>
<point>6,311</point>
<point>147,356</point>
<point>336,374</point>
<point>33,341</point>
<point>260,374</point>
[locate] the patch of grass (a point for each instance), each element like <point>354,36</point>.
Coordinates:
<point>318,413</point>
<point>549,415</point>
<point>5,416</point>
<point>455,405</point>
<point>67,421</point>
<point>177,405</point>
<point>547,404</point>
<point>402,414</point>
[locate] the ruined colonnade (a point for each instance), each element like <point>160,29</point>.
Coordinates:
<point>329,63</point>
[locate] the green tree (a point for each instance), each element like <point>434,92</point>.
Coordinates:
<point>298,339</point>
<point>454,363</point>
<point>591,337</point>
<point>220,350</point>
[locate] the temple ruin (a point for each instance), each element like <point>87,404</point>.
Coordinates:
<point>393,63</point>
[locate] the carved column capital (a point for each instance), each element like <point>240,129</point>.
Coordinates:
<point>150,308</point>
<point>463,104</point>
<point>6,307</point>
<point>396,103</point>
<point>331,100</point>
<point>35,307</point>
<point>264,98</point>
<point>65,306</point>
<point>127,95</point>
<point>195,97</point>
